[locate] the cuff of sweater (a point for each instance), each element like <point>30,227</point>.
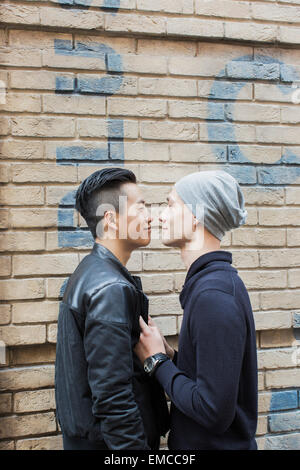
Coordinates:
<point>165,372</point>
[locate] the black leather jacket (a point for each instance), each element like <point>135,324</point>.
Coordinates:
<point>101,389</point>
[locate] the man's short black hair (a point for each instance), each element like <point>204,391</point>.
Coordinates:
<point>101,187</point>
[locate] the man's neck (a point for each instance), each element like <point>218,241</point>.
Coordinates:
<point>115,246</point>
<point>196,248</point>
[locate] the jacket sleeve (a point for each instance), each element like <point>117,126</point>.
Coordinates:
<point>107,343</point>
<point>217,332</point>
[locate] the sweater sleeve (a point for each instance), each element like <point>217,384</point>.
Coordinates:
<point>218,331</point>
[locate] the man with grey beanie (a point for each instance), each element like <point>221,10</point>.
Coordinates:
<point>212,379</point>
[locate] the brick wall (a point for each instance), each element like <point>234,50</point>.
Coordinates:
<point>165,88</point>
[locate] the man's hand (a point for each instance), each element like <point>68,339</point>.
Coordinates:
<point>150,341</point>
<point>169,351</point>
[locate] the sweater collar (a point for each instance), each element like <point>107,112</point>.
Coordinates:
<point>217,258</point>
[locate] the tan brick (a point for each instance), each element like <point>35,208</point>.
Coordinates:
<point>5,314</point>
<point>43,127</point>
<point>52,333</point>
<point>245,258</point>
<point>172,130</point>
<point>201,66</point>
<point>271,92</point>
<point>2,37</point>
<point>42,443</point>
<point>135,262</point>
<point>261,380</point>
<point>44,264</point>
<point>75,19</point>
<point>21,102</point>
<point>22,241</point>
<point>179,279</point>
<point>134,63</point>
<point>5,266</point>
<point>4,218</point>
<point>21,335</point>
<point>153,25</point>
<point>255,112</point>
<point>294,278</point>
<point>14,289</point>
<point>4,173</point>
<point>275,359</point>
<point>164,305</point>
<point>74,104</point>
<point>13,426</point>
<point>27,378</point>
<point>146,151</point>
<point>20,57</point>
<point>168,6</point>
<point>168,261</point>
<point>277,134</point>
<point>36,312</point>
<point>264,401</point>
<point>279,216</point>
<point>289,34</point>
<point>188,109</point>
<point>27,150</point>
<point>276,338</point>
<point>16,14</point>
<point>16,196</point>
<point>29,218</point>
<point>274,12</point>
<point>157,173</point>
<point>280,258</point>
<point>293,237</point>
<point>262,425</point>
<point>137,107</point>
<point>282,378</point>
<point>272,320</point>
<point>230,9</point>
<point>192,152</point>
<point>43,172</point>
<point>194,27</point>
<point>36,354</point>
<point>292,195</point>
<point>157,283</point>
<point>7,445</point>
<point>290,114</point>
<point>264,279</point>
<point>155,194</point>
<point>167,325</point>
<point>250,31</point>
<point>280,299</point>
<point>99,128</point>
<point>258,237</point>
<point>4,126</point>
<point>38,400</point>
<point>35,39</point>
<point>167,87</point>
<point>53,289</point>
<point>37,80</point>
<point>264,196</point>
<point>5,403</point>
<point>166,48</point>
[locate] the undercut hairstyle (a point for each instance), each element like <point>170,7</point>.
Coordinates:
<point>103,187</point>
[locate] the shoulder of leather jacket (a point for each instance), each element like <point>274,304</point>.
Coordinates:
<point>114,302</point>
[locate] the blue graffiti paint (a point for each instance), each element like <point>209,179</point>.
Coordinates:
<point>108,5</point>
<point>286,169</point>
<point>69,234</point>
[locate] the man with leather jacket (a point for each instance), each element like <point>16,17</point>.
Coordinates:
<point>104,398</point>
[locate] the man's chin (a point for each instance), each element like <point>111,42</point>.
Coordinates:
<point>171,242</point>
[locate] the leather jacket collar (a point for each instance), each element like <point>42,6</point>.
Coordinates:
<point>103,252</point>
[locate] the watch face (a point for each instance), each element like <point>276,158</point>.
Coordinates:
<point>148,364</point>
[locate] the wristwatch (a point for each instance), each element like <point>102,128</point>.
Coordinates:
<point>152,362</point>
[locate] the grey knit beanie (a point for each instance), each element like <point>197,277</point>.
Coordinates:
<point>217,196</point>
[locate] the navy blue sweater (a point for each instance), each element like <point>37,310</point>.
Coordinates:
<point>213,382</point>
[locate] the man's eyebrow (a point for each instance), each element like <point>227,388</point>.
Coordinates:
<point>141,201</point>
<point>167,199</point>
